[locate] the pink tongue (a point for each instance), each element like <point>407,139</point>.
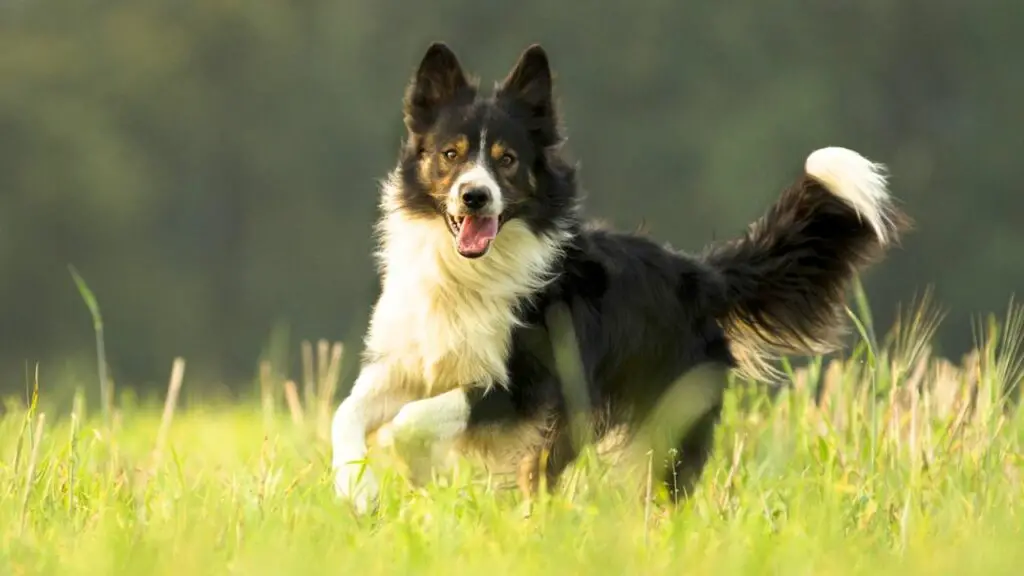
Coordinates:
<point>476,234</point>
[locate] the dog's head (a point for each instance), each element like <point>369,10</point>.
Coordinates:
<point>481,161</point>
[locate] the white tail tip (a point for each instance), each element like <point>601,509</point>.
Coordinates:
<point>860,182</point>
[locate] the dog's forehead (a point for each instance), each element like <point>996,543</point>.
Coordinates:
<point>482,122</point>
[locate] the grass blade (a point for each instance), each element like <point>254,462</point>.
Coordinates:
<point>101,354</point>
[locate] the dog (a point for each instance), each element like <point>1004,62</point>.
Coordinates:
<point>482,248</point>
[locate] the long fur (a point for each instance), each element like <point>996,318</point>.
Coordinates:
<point>446,319</point>
<point>642,315</point>
<point>785,279</point>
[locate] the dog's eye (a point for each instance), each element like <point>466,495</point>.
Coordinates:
<point>506,160</point>
<point>451,154</point>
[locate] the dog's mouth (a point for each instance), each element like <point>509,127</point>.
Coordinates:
<point>473,233</point>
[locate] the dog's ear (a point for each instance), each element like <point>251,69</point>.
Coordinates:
<point>530,83</point>
<point>437,81</point>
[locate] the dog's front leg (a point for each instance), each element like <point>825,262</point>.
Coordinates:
<point>421,429</point>
<point>375,398</point>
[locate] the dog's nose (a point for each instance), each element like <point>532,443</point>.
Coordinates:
<point>476,198</point>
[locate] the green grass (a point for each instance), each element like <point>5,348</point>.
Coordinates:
<point>886,460</point>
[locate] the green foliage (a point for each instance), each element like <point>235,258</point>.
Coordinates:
<point>97,326</point>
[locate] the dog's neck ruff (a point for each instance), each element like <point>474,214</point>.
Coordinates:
<point>443,320</point>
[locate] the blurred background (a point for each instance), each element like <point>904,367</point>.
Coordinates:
<point>210,167</point>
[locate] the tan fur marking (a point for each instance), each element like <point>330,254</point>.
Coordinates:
<point>498,148</point>
<point>461,145</point>
<point>442,185</point>
<point>449,169</point>
<point>426,168</point>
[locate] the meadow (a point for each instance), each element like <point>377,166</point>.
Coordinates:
<point>881,459</point>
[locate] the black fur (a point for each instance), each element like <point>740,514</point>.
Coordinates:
<point>785,279</point>
<point>643,315</point>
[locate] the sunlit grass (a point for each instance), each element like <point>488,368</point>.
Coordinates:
<point>885,460</point>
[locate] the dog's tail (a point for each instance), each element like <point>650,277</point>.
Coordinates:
<point>785,279</point>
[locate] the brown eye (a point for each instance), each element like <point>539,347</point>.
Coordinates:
<point>506,160</point>
<point>451,154</point>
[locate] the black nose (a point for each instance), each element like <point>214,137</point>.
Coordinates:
<point>476,198</point>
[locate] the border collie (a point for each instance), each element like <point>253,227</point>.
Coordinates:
<point>481,242</point>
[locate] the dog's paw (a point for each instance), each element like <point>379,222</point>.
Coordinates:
<point>355,483</point>
<point>384,437</point>
<point>413,449</point>
<point>402,431</point>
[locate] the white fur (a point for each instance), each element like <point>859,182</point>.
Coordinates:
<point>441,417</point>
<point>858,181</point>
<point>423,431</point>
<point>371,403</point>
<point>442,322</point>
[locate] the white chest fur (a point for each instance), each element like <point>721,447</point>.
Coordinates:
<point>445,321</point>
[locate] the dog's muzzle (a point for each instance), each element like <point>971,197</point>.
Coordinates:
<point>475,220</point>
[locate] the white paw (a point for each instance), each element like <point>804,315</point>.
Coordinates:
<point>401,442</point>
<point>385,436</point>
<point>400,432</point>
<point>411,447</point>
<point>354,481</point>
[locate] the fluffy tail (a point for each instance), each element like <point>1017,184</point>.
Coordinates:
<point>785,280</point>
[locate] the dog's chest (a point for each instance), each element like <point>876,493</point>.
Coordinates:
<point>445,340</point>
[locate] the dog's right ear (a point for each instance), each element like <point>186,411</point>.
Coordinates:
<point>437,81</point>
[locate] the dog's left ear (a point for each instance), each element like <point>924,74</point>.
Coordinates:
<point>530,83</point>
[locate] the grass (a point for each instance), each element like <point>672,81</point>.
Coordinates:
<point>884,460</point>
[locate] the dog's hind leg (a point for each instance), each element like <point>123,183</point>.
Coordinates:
<point>691,455</point>
<point>680,430</point>
<point>545,465</point>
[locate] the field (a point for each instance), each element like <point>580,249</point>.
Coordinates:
<point>880,460</point>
